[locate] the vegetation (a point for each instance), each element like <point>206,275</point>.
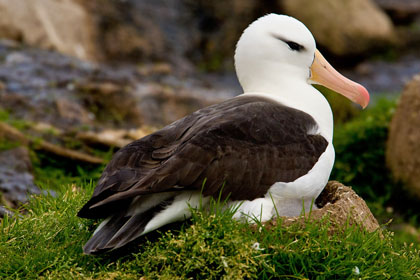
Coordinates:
<point>47,244</point>
<point>360,151</point>
<point>47,241</point>
<point>53,173</point>
<point>360,156</point>
<point>360,162</point>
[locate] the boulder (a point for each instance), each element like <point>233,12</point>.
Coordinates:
<point>164,104</point>
<point>66,92</point>
<point>346,27</point>
<point>16,179</point>
<point>130,30</point>
<point>218,26</point>
<point>177,31</point>
<point>61,25</point>
<point>341,206</point>
<point>110,101</point>
<point>401,11</point>
<point>403,149</point>
<point>169,98</point>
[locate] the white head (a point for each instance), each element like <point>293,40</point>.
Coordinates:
<point>278,50</point>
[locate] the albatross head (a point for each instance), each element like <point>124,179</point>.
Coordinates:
<point>277,51</point>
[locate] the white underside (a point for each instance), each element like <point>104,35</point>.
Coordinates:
<point>290,199</point>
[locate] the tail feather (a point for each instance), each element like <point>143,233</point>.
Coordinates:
<point>97,242</point>
<point>132,229</point>
<point>120,230</point>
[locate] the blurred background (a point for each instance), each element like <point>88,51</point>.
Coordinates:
<point>80,79</point>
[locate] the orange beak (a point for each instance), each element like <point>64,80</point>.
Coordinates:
<point>324,74</point>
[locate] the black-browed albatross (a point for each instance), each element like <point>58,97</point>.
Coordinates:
<point>270,147</point>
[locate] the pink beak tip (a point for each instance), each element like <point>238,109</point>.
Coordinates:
<point>364,96</point>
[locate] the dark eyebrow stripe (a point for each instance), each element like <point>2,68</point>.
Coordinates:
<point>292,45</point>
<point>279,37</point>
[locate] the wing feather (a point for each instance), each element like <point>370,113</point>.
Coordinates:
<point>248,143</point>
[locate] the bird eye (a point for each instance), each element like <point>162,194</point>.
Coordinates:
<point>294,46</point>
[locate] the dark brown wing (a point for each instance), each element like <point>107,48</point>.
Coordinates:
<point>248,143</point>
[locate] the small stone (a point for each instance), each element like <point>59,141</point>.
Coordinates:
<point>17,58</point>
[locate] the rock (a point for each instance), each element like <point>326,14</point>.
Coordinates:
<point>401,11</point>
<point>62,25</point>
<point>110,102</point>
<point>113,137</point>
<point>342,206</point>
<point>17,159</point>
<point>155,69</point>
<point>44,86</point>
<point>16,58</point>
<point>403,149</point>
<point>16,179</point>
<point>161,105</point>
<point>73,112</point>
<point>129,30</point>
<point>220,21</point>
<point>176,31</point>
<point>345,27</point>
<point>4,212</point>
<point>66,94</point>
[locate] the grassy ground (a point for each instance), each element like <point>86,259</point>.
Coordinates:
<point>47,244</point>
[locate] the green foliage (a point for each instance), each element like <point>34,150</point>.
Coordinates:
<point>344,110</point>
<point>360,152</point>
<point>47,244</point>
<point>214,246</point>
<point>53,173</point>
<point>19,124</point>
<point>4,115</point>
<point>360,162</point>
<point>47,238</point>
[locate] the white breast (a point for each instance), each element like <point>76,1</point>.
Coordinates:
<point>289,199</point>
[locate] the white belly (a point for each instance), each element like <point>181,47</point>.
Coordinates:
<point>290,198</point>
